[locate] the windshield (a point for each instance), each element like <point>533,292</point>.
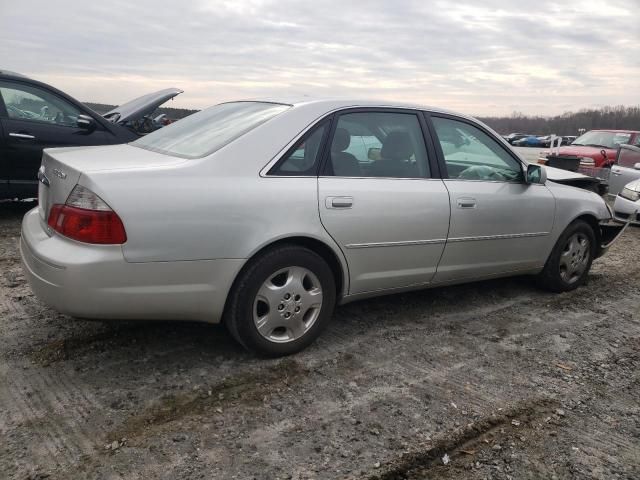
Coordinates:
<point>209,130</point>
<point>596,138</point>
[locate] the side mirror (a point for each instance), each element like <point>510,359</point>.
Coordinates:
<point>85,122</point>
<point>536,174</point>
<point>374,153</point>
<point>637,166</point>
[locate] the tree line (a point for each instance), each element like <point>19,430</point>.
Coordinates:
<point>569,123</point>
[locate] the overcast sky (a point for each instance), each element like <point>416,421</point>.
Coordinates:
<point>477,57</point>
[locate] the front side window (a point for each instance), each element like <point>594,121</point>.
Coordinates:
<point>304,157</point>
<point>471,154</point>
<point>628,156</point>
<point>376,144</point>
<point>24,102</point>
<point>209,130</point>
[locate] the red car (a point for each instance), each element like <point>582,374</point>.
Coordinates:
<point>601,146</point>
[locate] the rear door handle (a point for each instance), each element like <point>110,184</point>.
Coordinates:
<point>24,136</point>
<point>339,202</point>
<point>466,202</point>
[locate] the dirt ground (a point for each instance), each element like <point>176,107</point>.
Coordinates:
<point>490,380</point>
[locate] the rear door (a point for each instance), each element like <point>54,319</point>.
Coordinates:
<point>624,171</point>
<point>499,223</point>
<point>34,119</point>
<point>385,206</point>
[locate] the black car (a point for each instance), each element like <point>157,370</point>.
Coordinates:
<point>34,115</point>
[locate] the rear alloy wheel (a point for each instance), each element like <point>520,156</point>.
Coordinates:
<point>287,304</point>
<point>568,265</point>
<point>281,301</point>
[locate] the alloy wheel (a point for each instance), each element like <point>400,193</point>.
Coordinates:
<point>575,257</point>
<point>287,304</point>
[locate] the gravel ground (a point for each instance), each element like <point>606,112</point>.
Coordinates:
<point>488,380</point>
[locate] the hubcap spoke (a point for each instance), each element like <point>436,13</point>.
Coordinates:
<point>312,298</point>
<point>267,324</point>
<point>297,327</point>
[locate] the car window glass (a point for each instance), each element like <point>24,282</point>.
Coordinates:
<point>376,144</point>
<point>471,154</point>
<point>303,159</point>
<point>25,102</point>
<point>208,130</point>
<point>628,156</point>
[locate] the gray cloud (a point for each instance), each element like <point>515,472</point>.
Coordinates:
<point>486,57</point>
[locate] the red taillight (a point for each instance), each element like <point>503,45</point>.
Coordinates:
<point>89,226</point>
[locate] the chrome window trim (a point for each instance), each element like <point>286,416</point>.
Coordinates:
<point>411,110</point>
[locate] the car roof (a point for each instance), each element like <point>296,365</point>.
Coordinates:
<point>331,104</point>
<point>9,73</point>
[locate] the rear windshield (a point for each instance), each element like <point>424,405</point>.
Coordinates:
<point>209,130</point>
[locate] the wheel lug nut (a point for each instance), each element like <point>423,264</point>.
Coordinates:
<point>281,307</point>
<point>287,296</point>
<point>297,309</point>
<point>287,315</point>
<point>297,298</point>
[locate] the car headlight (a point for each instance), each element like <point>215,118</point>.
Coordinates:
<point>630,194</point>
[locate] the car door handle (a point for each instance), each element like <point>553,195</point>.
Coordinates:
<point>466,202</point>
<point>339,202</point>
<point>24,136</point>
<point>615,172</point>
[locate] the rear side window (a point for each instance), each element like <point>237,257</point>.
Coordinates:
<point>209,130</point>
<point>302,159</point>
<point>378,144</point>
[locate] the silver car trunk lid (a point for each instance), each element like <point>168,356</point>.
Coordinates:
<point>62,168</point>
<point>141,106</point>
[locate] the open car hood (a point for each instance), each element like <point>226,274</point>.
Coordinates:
<point>559,175</point>
<point>141,106</point>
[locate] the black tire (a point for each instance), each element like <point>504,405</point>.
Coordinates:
<point>555,276</point>
<point>244,301</point>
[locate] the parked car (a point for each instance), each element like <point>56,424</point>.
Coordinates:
<point>625,169</point>
<point>598,148</point>
<point>627,203</point>
<point>34,116</point>
<point>271,221</point>
<point>512,137</point>
<point>530,141</point>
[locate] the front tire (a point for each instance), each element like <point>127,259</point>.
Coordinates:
<point>282,301</point>
<point>568,265</point>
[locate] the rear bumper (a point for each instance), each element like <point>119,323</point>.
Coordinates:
<point>95,281</point>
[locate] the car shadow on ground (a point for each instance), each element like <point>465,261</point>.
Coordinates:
<point>188,343</point>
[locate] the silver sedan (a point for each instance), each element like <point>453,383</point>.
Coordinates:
<point>264,215</point>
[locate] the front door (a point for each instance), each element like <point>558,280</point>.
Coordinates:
<point>36,118</point>
<point>382,204</point>
<point>624,171</point>
<point>499,224</point>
